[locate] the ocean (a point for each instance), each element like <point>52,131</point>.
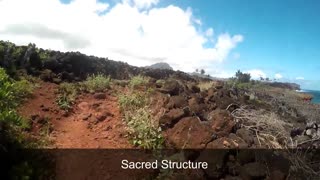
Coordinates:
<point>316,95</point>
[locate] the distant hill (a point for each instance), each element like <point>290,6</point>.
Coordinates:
<point>292,86</point>
<point>161,65</point>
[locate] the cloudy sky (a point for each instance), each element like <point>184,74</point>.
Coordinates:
<point>275,39</point>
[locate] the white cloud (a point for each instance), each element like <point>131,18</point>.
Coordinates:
<point>142,4</point>
<point>134,31</point>
<point>278,76</point>
<point>299,78</point>
<point>236,55</point>
<point>209,32</point>
<point>257,73</point>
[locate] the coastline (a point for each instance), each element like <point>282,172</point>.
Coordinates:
<point>314,93</point>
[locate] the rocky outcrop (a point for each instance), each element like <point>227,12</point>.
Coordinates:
<point>160,65</point>
<point>291,86</point>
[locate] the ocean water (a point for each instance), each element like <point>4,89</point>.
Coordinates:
<point>316,95</point>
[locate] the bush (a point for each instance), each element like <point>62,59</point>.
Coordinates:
<point>11,94</point>
<point>17,52</point>
<point>132,102</point>
<point>138,80</point>
<point>67,95</point>
<point>142,129</point>
<point>97,82</point>
<point>11,118</point>
<point>43,55</point>
<point>243,77</point>
<point>23,89</point>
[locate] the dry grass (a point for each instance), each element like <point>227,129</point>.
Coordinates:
<point>269,129</point>
<point>301,164</point>
<point>272,132</point>
<point>205,85</point>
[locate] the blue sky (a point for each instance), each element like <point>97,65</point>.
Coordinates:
<point>280,36</point>
<point>269,38</point>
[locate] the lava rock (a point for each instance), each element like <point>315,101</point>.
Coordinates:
<point>100,96</point>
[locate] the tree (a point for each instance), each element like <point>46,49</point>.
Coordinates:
<point>202,71</point>
<point>243,77</point>
<point>197,70</point>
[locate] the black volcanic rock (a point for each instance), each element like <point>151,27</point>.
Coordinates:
<point>72,66</point>
<point>161,65</point>
<point>291,86</point>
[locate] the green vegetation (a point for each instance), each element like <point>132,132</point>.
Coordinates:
<point>17,52</point>
<point>142,129</point>
<point>12,94</point>
<point>43,55</point>
<point>138,80</point>
<point>242,77</point>
<point>132,101</point>
<point>2,49</point>
<point>13,135</point>
<point>96,83</point>
<point>67,94</point>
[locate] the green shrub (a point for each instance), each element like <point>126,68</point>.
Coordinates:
<point>43,55</point>
<point>67,95</point>
<point>132,101</point>
<point>96,83</point>
<point>13,119</point>
<point>23,88</point>
<point>2,50</point>
<point>17,52</point>
<point>11,94</point>
<point>142,129</point>
<point>138,80</point>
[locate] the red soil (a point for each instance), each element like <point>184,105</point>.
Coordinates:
<point>93,123</point>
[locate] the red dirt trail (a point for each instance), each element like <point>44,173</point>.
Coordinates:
<point>93,122</point>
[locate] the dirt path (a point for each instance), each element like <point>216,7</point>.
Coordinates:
<point>95,121</point>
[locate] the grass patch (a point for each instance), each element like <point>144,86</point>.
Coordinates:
<point>67,94</point>
<point>12,134</point>
<point>138,81</point>
<point>96,83</point>
<point>132,101</point>
<point>205,85</point>
<point>142,129</point>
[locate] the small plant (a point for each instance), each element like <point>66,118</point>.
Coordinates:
<point>131,102</point>
<point>96,83</point>
<point>67,94</point>
<point>142,129</point>
<point>138,80</point>
<point>13,119</point>
<point>23,88</point>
